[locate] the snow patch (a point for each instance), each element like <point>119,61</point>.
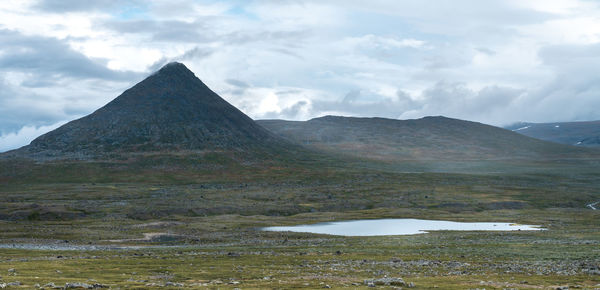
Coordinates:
<point>522,128</point>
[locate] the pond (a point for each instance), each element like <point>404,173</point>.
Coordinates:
<point>385,227</point>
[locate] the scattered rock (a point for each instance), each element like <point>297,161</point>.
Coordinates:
<point>562,288</point>
<point>386,282</point>
<point>52,286</point>
<point>327,286</point>
<point>76,285</point>
<point>410,285</point>
<point>4,285</point>
<point>162,276</point>
<point>81,285</point>
<point>172,284</point>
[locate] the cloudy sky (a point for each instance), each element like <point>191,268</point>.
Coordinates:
<point>493,61</point>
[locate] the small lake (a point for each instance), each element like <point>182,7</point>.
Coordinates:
<point>387,227</point>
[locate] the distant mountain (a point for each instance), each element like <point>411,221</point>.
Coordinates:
<point>573,133</point>
<point>171,110</point>
<point>429,138</point>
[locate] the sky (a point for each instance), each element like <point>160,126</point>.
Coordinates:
<point>495,61</point>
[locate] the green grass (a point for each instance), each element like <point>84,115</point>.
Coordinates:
<point>210,211</point>
<point>234,251</point>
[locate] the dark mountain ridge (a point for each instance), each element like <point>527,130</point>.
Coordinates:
<point>429,138</point>
<point>585,134</point>
<point>171,110</point>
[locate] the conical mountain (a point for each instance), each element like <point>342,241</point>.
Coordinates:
<point>170,110</point>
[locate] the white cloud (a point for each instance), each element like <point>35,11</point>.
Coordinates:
<point>301,58</point>
<point>386,43</point>
<point>24,136</point>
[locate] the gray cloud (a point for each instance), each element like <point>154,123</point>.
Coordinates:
<point>203,30</point>
<point>245,36</point>
<point>192,54</point>
<point>24,136</point>
<point>47,58</point>
<point>485,50</point>
<point>61,6</point>
<point>46,66</point>
<point>574,92</point>
<point>290,112</point>
<point>18,108</point>
<point>490,61</point>
<point>166,30</point>
<point>448,99</point>
<point>569,57</point>
<point>237,83</point>
<point>456,100</point>
<point>365,104</point>
<point>239,87</point>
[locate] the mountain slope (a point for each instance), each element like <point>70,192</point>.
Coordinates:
<point>171,110</point>
<point>585,134</point>
<point>429,138</point>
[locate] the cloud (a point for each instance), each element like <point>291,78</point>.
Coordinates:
<point>62,6</point>
<point>292,112</point>
<point>165,31</point>
<point>18,108</point>
<point>24,136</point>
<point>47,58</point>
<point>492,104</point>
<point>43,80</point>
<point>495,61</point>
<point>192,54</point>
<point>237,83</point>
<point>385,43</point>
<point>363,103</point>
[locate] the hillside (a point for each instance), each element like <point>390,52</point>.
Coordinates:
<point>429,138</point>
<point>586,134</point>
<point>171,110</point>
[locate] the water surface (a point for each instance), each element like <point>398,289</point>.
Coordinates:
<point>385,227</point>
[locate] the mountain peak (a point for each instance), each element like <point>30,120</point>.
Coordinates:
<point>173,72</point>
<point>174,67</point>
<point>169,110</point>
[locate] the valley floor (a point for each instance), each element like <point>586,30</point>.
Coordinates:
<point>237,255</point>
<point>206,233</point>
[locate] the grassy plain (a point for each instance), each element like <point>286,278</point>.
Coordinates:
<point>195,220</point>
